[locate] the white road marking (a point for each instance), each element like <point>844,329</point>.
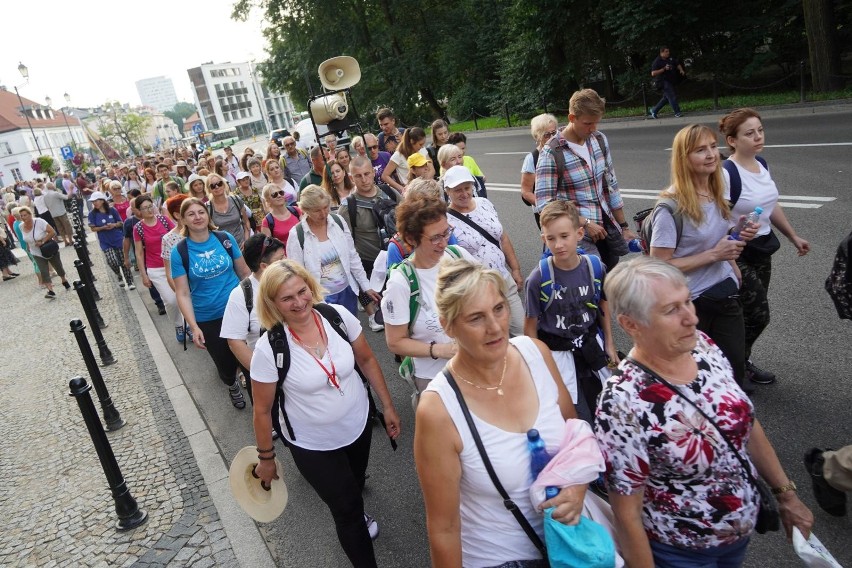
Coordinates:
<point>789,201</point>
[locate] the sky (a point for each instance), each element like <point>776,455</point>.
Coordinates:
<point>96,50</point>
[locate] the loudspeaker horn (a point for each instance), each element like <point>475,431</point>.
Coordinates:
<point>339,73</point>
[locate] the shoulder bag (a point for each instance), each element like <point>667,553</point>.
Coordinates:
<point>507,501</point>
<point>768,517</point>
<point>475,226</point>
<point>49,249</point>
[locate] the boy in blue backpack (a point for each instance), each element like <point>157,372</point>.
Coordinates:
<point>565,307</point>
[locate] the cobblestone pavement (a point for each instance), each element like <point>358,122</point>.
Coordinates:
<point>55,505</point>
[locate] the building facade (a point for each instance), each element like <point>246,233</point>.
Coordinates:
<point>231,95</point>
<point>157,93</point>
<point>18,148</point>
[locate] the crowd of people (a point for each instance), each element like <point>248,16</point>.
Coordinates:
<point>265,263</point>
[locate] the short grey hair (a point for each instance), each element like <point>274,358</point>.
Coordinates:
<point>539,124</point>
<point>630,286</point>
<point>445,151</point>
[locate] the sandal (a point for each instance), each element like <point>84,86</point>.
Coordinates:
<point>237,398</point>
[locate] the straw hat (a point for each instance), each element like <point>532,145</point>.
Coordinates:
<point>261,505</point>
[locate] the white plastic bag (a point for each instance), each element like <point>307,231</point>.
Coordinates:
<point>812,552</point>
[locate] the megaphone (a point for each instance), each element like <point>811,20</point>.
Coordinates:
<point>329,107</point>
<point>339,73</point>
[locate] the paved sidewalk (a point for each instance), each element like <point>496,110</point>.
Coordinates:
<point>55,505</point>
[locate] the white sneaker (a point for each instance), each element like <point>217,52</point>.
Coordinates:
<point>372,526</point>
<point>132,286</point>
<point>373,325</point>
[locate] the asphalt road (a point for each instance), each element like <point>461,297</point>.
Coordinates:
<point>806,345</point>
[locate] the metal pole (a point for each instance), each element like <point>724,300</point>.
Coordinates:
<point>130,515</point>
<point>106,355</point>
<point>508,118</point>
<point>802,81</point>
<point>101,324</point>
<point>68,126</point>
<point>21,102</point>
<point>475,122</point>
<point>645,100</point>
<point>111,415</point>
<point>87,277</point>
<point>544,104</point>
<point>715,94</point>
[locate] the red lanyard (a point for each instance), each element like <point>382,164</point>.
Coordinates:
<point>331,375</point>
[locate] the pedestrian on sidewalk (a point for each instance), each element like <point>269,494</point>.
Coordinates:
<point>326,405</point>
<point>831,477</point>
<point>148,235</point>
<point>666,72</point>
<point>106,222</point>
<point>36,233</point>
<point>206,265</point>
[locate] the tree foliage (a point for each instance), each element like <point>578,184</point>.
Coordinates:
<point>124,130</point>
<point>427,58</point>
<point>181,112</point>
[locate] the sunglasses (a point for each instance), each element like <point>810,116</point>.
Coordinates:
<point>275,194</point>
<point>548,135</point>
<point>216,185</point>
<point>372,147</point>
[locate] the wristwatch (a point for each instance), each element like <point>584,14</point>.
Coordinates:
<point>624,225</point>
<point>785,488</point>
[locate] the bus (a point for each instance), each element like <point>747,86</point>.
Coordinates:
<point>217,139</point>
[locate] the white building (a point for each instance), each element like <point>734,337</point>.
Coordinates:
<point>157,93</point>
<point>231,95</point>
<point>18,147</point>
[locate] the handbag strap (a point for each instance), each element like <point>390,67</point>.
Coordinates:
<point>671,387</point>
<point>470,222</point>
<point>507,501</point>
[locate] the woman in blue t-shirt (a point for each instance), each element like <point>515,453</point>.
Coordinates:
<point>109,226</point>
<point>206,265</point>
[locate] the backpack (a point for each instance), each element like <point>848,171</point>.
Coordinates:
<point>384,213</point>
<point>406,368</point>
<point>238,203</point>
<point>645,222</point>
<point>270,220</point>
<point>281,354</point>
<point>559,156</point>
<point>183,249</point>
<point>547,279</point>
<point>140,230</point>
<point>248,294</point>
<point>300,230</point>
<point>736,180</point>
<point>839,281</point>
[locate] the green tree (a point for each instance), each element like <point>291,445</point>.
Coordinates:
<point>181,112</point>
<point>122,129</point>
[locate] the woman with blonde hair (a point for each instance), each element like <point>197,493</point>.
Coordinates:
<point>323,243</point>
<point>227,211</point>
<point>36,233</point>
<point>337,182</point>
<point>281,217</point>
<point>360,148</point>
<point>703,249</point>
<point>275,174</point>
<point>322,398</point>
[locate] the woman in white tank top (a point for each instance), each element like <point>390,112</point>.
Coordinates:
<point>509,387</point>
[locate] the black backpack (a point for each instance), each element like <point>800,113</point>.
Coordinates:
<point>281,354</point>
<point>384,213</point>
<point>839,281</point>
<point>270,220</point>
<point>645,222</point>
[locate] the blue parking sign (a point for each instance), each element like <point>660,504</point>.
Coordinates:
<point>67,152</point>
<point>197,128</point>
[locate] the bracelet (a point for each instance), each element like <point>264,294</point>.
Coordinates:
<point>272,457</point>
<point>431,346</point>
<point>624,225</point>
<point>586,224</point>
<point>272,449</point>
<point>791,486</point>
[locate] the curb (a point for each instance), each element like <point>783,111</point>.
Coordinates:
<point>245,537</point>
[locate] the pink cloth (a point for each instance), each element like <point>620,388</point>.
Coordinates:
<point>578,461</point>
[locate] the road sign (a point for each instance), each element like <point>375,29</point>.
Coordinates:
<point>197,128</point>
<point>67,152</point>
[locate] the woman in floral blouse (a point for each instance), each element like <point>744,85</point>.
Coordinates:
<point>679,493</point>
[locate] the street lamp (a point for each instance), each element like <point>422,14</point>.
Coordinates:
<point>65,115</point>
<point>25,73</point>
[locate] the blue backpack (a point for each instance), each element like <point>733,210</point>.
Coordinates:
<point>546,266</point>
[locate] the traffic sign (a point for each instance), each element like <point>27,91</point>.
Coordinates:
<point>67,152</point>
<point>197,128</point>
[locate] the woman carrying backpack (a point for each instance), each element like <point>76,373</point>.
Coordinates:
<point>227,212</point>
<point>743,132</point>
<point>322,243</point>
<point>205,266</point>
<point>281,217</point>
<point>325,404</point>
<point>542,127</point>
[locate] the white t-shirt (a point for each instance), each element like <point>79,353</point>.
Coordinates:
<point>485,215</point>
<point>402,164</point>
<point>237,323</point>
<point>581,150</point>
<point>321,418</point>
<point>427,327</point>
<point>528,167</point>
<point>332,276</point>
<point>37,233</point>
<point>758,190</point>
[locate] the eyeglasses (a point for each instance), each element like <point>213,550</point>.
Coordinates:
<point>373,147</point>
<point>275,194</point>
<point>146,208</point>
<point>548,135</point>
<point>216,185</point>
<point>445,236</point>
<point>289,144</point>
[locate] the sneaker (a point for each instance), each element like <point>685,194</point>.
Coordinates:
<point>132,286</point>
<point>51,295</point>
<point>180,334</point>
<point>831,500</point>
<point>372,526</point>
<point>757,375</point>
<point>374,325</point>
<point>237,398</point>
<point>678,114</point>
<point>653,113</point>
<point>161,309</point>
<point>67,285</point>
<point>121,284</point>
<point>189,334</point>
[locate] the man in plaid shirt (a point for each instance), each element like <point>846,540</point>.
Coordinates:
<point>588,179</point>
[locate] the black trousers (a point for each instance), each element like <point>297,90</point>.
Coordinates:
<point>338,478</point>
<point>722,320</point>
<point>219,351</point>
<point>753,295</point>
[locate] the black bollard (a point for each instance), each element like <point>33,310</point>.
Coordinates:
<point>130,515</point>
<point>86,276</point>
<point>111,415</point>
<point>81,267</point>
<point>91,314</point>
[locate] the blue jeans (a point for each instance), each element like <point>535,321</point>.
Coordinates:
<point>346,298</point>
<point>669,96</point>
<point>726,556</point>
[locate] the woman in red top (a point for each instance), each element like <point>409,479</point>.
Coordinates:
<point>280,219</point>
<point>119,201</point>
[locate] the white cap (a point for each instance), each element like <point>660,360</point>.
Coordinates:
<point>457,175</point>
<point>98,195</point>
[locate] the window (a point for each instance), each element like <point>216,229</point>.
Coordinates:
<point>16,173</point>
<point>5,147</point>
<point>243,113</point>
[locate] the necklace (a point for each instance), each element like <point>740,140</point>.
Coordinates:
<point>498,388</point>
<point>315,353</point>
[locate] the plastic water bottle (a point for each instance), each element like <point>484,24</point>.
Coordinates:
<point>539,458</point>
<point>745,220</point>
<point>635,245</point>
